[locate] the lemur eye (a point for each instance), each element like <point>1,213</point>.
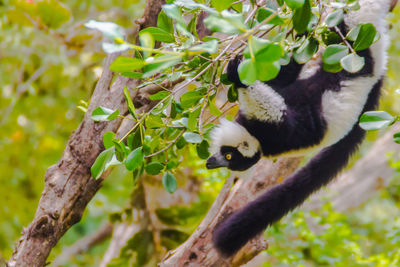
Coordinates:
<point>228,156</point>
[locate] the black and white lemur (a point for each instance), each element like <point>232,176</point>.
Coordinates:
<point>304,109</point>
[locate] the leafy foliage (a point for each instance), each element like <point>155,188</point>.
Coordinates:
<point>173,122</point>
<point>50,64</point>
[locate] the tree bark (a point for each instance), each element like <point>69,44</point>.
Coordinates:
<point>68,184</point>
<point>198,249</point>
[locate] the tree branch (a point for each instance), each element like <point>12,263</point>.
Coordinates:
<point>198,249</point>
<point>68,184</point>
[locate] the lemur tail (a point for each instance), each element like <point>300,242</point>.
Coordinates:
<point>241,226</point>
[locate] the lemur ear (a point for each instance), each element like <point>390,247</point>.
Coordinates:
<point>232,71</point>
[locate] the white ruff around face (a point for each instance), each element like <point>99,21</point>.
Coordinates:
<point>232,134</point>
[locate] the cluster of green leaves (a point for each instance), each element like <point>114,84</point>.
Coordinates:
<point>377,120</point>
<point>274,33</point>
<point>328,238</point>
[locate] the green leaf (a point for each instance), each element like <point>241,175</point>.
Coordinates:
<point>119,149</point>
<point>352,63</point>
<point>190,4</point>
<point>209,47</point>
<point>396,137</point>
<point>104,114</point>
<point>294,4</point>
<point>53,13</point>
<point>134,159</point>
<point>122,64</point>
<point>109,29</point>
<point>228,22</point>
<point>213,108</point>
<point>173,111</point>
<point>128,100</point>
<point>174,12</point>
<point>192,121</point>
<point>159,95</point>
<point>165,23</point>
<point>158,34</point>
<point>301,17</point>
<point>181,143</point>
<point>233,94</point>
<point>193,138</point>
<point>365,37</point>
<point>100,164</point>
<point>376,120</point>
<point>202,150</point>
<point>353,33</point>
<point>110,48</point>
<point>329,37</point>
<point>334,53</point>
<point>169,182</point>
<point>247,72</point>
<point>183,122</point>
<point>133,75</point>
<point>332,68</point>
<point>267,70</point>
<point>108,138</point>
<point>134,140</point>
<point>334,18</point>
<point>189,99</point>
<point>154,168</point>
<point>263,50</point>
<point>220,5</point>
<point>263,14</point>
<point>160,63</point>
<point>154,122</point>
<point>306,51</point>
<point>146,41</point>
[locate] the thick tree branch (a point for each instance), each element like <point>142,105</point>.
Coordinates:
<point>198,249</point>
<point>68,184</point>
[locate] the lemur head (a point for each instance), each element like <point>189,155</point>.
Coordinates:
<point>233,147</point>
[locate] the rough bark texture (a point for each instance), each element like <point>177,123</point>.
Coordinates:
<point>198,249</point>
<point>68,184</point>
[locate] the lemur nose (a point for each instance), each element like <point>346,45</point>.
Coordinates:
<point>211,163</point>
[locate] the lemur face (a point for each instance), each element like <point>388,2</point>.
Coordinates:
<point>232,158</point>
<point>233,147</point>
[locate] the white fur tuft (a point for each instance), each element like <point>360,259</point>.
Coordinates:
<point>229,133</point>
<point>261,102</point>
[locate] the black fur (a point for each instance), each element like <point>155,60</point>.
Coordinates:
<point>303,124</point>
<point>241,226</point>
<point>238,161</point>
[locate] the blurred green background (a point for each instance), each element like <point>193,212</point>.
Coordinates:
<point>49,69</point>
